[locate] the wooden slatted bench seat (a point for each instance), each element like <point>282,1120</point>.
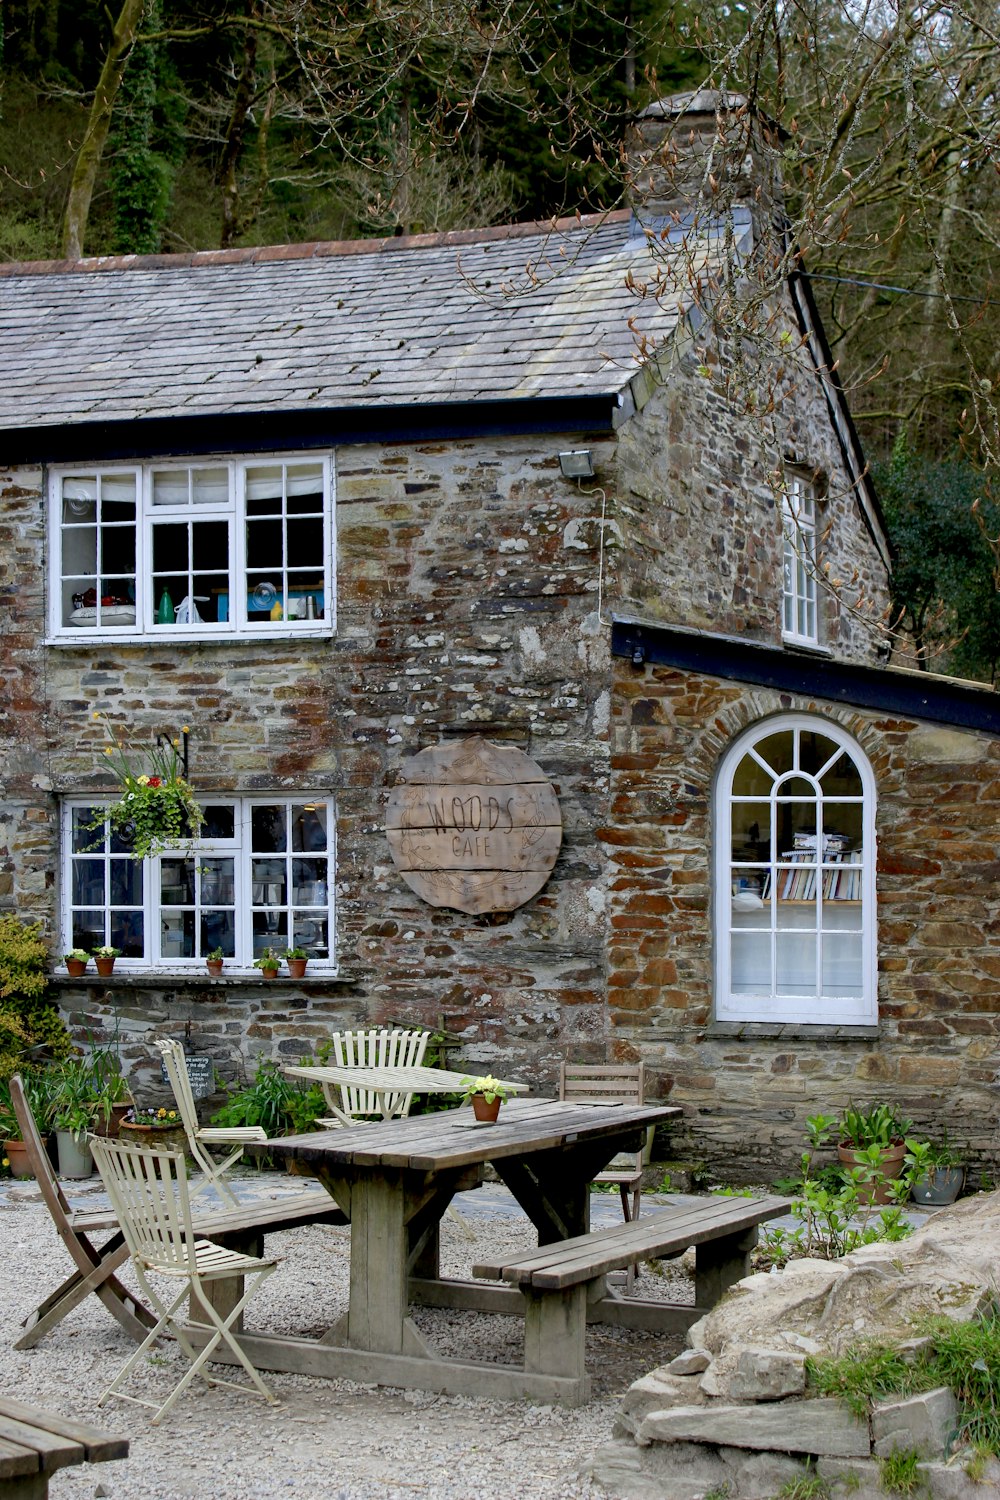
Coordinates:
<point>560,1281</point>
<point>34,1443</point>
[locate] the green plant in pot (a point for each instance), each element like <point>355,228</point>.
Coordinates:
<point>296,959</point>
<point>935,1169</point>
<point>214,962</point>
<point>486,1095</point>
<point>871,1142</point>
<point>76,961</point>
<point>74,1114</point>
<point>268,962</point>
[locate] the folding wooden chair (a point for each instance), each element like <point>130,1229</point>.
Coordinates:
<point>149,1192</point>
<point>371,1049</point>
<point>200,1137</point>
<point>94,1267</point>
<point>608,1083</point>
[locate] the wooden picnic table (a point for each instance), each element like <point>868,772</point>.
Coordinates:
<point>394,1180</point>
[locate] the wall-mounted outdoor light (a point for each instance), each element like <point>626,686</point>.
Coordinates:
<point>578,464</point>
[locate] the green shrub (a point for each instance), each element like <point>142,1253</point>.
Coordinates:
<point>28,1020</point>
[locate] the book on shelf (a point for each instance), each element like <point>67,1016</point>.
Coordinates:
<point>840,867</point>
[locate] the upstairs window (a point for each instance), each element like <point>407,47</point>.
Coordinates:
<point>224,548</point>
<point>799,609</point>
<point>260,875</point>
<point>795,877</point>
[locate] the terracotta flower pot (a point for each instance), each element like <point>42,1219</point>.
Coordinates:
<point>214,967</point>
<point>296,967</point>
<point>486,1111</point>
<point>105,966</point>
<point>110,1125</point>
<point>75,968</point>
<point>269,973</point>
<point>16,1153</point>
<point>889,1168</point>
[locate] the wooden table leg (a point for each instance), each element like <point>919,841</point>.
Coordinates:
<point>377,1318</point>
<point>720,1263</point>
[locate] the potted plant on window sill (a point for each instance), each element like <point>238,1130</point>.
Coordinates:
<point>104,959</point>
<point>296,959</point>
<point>76,961</point>
<point>486,1095</point>
<point>936,1171</point>
<point>213,963</point>
<point>873,1142</point>
<point>268,963</point>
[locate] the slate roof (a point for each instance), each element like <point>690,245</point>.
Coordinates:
<point>424,320</point>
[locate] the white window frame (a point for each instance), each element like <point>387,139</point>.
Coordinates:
<point>806,1009</point>
<point>800,622</point>
<point>233,511</point>
<point>239,847</point>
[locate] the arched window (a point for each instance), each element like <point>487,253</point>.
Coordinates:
<point>795,865</point>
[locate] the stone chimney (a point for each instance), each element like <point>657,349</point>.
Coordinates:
<point>704,151</point>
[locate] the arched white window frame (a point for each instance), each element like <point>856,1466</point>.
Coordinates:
<point>745,997</point>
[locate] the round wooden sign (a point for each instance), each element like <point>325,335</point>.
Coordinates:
<point>474,825</point>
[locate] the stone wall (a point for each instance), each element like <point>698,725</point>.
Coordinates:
<point>700,480</point>
<point>467,582</point>
<point>746,1091</point>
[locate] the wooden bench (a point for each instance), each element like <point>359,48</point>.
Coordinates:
<point>33,1444</point>
<point>564,1282</point>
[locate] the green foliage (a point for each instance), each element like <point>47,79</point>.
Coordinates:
<point>879,1126</point>
<point>140,176</point>
<point>28,1021</point>
<point>279,1105</point>
<point>808,1486</point>
<point>944,580</point>
<point>963,1356</point>
<point>23,959</point>
<point>898,1473</point>
<point>833,1207</point>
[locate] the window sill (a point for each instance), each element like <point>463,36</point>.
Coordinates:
<point>755,1031</point>
<point>808,648</point>
<point>189,637</point>
<point>158,979</point>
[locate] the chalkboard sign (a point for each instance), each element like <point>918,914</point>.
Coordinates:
<point>201,1073</point>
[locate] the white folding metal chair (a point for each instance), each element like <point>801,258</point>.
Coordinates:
<point>149,1193</point>
<point>200,1137</point>
<point>371,1049</point>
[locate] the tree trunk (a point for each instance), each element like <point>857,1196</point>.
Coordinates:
<point>88,160</point>
<point>232,151</point>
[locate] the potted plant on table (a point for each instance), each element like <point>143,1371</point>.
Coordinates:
<point>104,959</point>
<point>936,1170</point>
<point>296,959</point>
<point>486,1095</point>
<point>213,962</point>
<point>268,963</point>
<point>76,961</point>
<point>872,1141</point>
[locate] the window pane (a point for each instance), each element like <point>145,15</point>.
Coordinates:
<point>88,882</point>
<point>218,930</point>
<point>268,882</point>
<point>842,965</point>
<point>177,935</point>
<point>126,883</point>
<point>218,882</point>
<point>796,963</point>
<point>751,963</point>
<point>270,930</point>
<point>309,882</point>
<point>220,821</point>
<point>83,836</point>
<point>88,929</point>
<point>176,882</point>
<point>268,826</point>
<point>128,933</point>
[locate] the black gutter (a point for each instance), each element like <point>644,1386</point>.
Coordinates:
<point>911,695</point>
<point>270,430</point>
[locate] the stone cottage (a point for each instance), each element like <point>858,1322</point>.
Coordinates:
<point>334,506</point>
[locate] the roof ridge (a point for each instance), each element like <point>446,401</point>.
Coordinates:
<point>309,249</point>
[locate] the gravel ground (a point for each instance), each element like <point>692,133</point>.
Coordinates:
<point>332,1438</point>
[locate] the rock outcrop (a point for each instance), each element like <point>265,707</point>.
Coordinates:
<point>732,1414</point>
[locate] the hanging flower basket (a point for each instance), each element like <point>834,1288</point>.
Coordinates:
<point>157,809</point>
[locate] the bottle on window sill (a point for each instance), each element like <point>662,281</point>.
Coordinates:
<point>165,613</point>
